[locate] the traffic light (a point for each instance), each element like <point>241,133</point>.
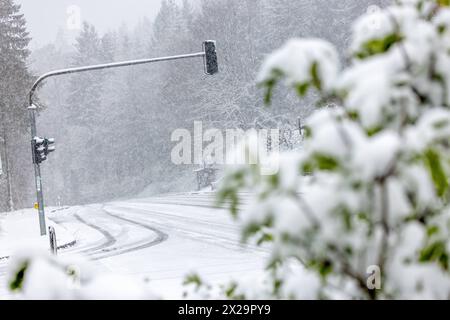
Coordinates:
<point>210,59</point>
<point>41,148</point>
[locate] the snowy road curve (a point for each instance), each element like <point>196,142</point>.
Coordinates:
<point>161,239</point>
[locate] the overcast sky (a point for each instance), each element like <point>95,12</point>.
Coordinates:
<point>45,17</point>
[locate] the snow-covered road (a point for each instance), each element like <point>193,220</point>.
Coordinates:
<point>161,239</point>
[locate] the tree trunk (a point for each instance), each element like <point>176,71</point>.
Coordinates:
<point>7,171</point>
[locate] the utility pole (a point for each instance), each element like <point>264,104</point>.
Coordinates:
<point>41,146</point>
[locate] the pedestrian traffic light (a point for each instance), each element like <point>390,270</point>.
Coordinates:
<point>210,59</point>
<point>41,147</point>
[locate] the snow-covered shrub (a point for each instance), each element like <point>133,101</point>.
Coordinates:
<point>362,211</point>
<point>35,274</point>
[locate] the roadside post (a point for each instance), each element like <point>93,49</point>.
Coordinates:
<point>52,238</point>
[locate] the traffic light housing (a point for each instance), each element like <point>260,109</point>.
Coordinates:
<point>41,148</point>
<point>210,59</point>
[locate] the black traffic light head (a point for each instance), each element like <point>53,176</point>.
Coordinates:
<point>210,59</point>
<point>48,145</point>
<point>38,149</point>
<point>41,147</point>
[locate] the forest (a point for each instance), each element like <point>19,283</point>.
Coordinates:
<point>113,128</point>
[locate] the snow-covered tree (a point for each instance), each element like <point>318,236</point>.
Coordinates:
<point>14,82</point>
<point>86,88</point>
<point>363,210</point>
<point>36,274</point>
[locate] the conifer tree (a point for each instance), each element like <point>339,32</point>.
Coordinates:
<point>14,82</point>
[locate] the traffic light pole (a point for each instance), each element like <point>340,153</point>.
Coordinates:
<point>37,172</point>
<point>211,67</point>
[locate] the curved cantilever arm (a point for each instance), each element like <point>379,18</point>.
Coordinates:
<point>106,66</point>
<point>210,64</point>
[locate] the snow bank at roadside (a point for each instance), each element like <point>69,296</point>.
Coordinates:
<point>20,229</point>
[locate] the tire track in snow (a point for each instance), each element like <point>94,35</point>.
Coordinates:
<point>3,269</point>
<point>195,235</point>
<point>110,240</point>
<point>160,236</point>
<point>106,249</point>
<point>167,215</point>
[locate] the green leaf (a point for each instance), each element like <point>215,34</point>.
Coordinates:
<point>441,124</point>
<point>377,46</point>
<point>325,162</point>
<point>432,230</point>
<point>251,229</point>
<point>232,184</point>
<point>269,91</point>
<point>324,267</point>
<point>434,164</point>
<point>274,180</point>
<point>374,130</point>
<point>229,292</point>
<point>347,219</point>
<point>353,115</point>
<point>302,89</point>
<point>435,252</point>
<point>307,132</point>
<point>270,84</point>
<point>17,282</point>
<point>266,237</point>
<point>277,286</point>
<point>315,76</point>
<point>307,168</point>
<point>193,279</point>
<point>319,162</point>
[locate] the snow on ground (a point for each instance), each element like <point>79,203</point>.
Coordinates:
<point>20,228</point>
<point>160,239</point>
